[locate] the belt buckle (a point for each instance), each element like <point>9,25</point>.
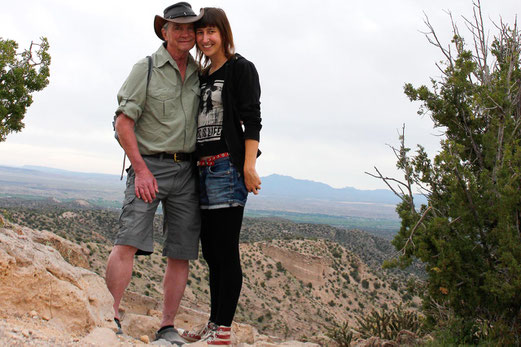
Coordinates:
<point>175,158</point>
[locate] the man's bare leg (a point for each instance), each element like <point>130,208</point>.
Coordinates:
<point>119,272</point>
<point>174,283</point>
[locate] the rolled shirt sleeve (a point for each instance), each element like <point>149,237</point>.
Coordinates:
<point>132,95</point>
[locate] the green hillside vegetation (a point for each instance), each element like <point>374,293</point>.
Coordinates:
<point>348,284</point>
<point>386,228</point>
<point>44,213</point>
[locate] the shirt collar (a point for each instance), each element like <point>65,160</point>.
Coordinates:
<point>162,57</point>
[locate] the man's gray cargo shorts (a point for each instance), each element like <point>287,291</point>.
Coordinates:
<point>178,193</point>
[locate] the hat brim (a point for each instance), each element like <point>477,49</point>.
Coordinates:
<point>159,22</point>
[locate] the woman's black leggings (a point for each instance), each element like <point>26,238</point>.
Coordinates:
<point>220,229</point>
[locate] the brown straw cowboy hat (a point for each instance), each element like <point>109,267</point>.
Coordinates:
<point>180,12</point>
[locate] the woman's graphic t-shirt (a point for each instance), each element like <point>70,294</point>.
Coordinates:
<point>210,120</point>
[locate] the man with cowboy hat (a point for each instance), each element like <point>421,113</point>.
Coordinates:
<point>156,124</point>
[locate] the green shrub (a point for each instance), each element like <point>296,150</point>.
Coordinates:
<point>280,268</point>
<point>355,275</point>
<point>386,324</point>
<point>336,253</point>
<point>341,334</point>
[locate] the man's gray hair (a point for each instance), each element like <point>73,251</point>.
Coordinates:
<point>165,26</point>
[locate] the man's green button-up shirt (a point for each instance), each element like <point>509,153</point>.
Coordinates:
<point>165,114</point>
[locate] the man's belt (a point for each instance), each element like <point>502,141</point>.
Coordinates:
<point>174,156</point>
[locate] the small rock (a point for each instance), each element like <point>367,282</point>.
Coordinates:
<point>154,313</point>
<point>46,317</point>
<point>26,333</point>
<point>136,325</point>
<point>298,344</point>
<point>33,313</point>
<point>16,337</point>
<point>202,344</point>
<point>145,339</point>
<point>244,333</point>
<point>101,337</point>
<point>10,335</point>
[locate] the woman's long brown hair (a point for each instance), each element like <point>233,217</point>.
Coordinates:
<point>215,17</point>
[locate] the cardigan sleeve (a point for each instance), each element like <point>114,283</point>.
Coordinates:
<point>247,89</point>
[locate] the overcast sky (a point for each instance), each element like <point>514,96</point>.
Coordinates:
<point>332,76</point>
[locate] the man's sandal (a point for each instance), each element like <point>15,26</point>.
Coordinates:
<point>118,324</point>
<point>169,334</point>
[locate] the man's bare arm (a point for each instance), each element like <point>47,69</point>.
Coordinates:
<point>145,183</point>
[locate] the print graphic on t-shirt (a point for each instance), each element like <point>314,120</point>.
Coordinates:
<point>211,115</point>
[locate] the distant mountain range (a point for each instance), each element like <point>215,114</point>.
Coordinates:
<point>272,186</point>
<point>289,187</point>
<point>40,182</point>
<point>283,196</point>
<point>87,175</point>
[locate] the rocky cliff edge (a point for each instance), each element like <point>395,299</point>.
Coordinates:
<point>49,297</point>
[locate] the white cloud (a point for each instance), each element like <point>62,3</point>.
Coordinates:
<point>332,75</point>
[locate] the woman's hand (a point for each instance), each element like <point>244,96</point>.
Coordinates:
<point>252,180</point>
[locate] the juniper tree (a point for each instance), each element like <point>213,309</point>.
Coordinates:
<point>21,74</point>
<point>469,233</point>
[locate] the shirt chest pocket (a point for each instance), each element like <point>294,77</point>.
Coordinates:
<point>161,102</point>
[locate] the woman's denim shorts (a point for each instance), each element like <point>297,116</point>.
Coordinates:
<point>221,185</point>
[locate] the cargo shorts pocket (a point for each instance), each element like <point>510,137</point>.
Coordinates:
<point>125,216</point>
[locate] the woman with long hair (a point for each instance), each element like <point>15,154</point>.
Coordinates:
<point>229,123</point>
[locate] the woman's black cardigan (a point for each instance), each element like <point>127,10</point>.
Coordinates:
<point>241,105</point>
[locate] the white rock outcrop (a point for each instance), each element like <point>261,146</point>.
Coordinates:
<point>34,276</point>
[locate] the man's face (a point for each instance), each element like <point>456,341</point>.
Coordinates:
<point>180,38</point>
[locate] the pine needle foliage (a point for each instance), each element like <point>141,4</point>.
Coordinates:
<point>21,74</point>
<point>469,233</point>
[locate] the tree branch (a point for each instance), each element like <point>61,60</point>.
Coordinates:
<point>409,239</point>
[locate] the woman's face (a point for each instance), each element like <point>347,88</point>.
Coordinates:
<point>209,41</point>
